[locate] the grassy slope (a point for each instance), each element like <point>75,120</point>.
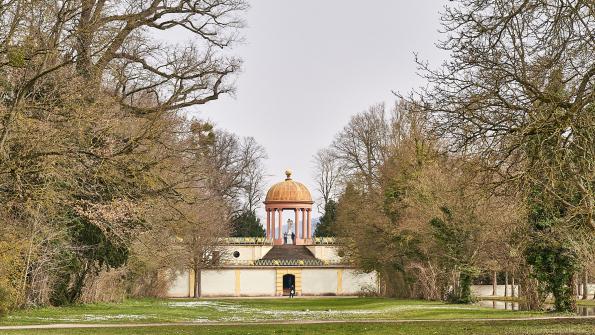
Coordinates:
<point>447,328</point>
<point>186,310</point>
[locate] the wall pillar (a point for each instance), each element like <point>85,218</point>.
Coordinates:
<point>237,283</point>
<point>339,281</point>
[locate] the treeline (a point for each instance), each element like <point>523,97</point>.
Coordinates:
<point>104,181</point>
<point>488,168</point>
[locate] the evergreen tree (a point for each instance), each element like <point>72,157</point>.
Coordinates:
<point>246,224</point>
<point>326,227</point>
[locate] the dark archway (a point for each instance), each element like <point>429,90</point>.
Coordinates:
<point>288,281</point>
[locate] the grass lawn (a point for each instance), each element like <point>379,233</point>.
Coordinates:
<point>241,311</point>
<point>565,327</point>
<point>254,310</point>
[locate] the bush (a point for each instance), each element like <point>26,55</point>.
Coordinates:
<point>4,301</point>
<point>8,296</point>
<point>368,291</point>
<point>11,273</point>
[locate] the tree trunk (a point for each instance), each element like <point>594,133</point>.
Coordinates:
<point>455,284</point>
<point>84,38</point>
<point>495,283</point>
<point>197,283</point>
<point>585,284</point>
<point>506,284</point>
<point>512,288</point>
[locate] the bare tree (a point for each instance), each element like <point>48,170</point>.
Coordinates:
<point>518,91</point>
<point>502,90</point>
<point>238,169</point>
<point>328,171</point>
<point>110,41</point>
<point>361,145</point>
<point>89,104</point>
<point>254,172</point>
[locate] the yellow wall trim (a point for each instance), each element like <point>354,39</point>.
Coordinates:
<point>237,283</point>
<point>339,281</point>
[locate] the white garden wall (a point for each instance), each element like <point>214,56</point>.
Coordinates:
<point>218,282</point>
<point>257,282</point>
<point>247,252</point>
<point>248,281</point>
<point>319,281</point>
<point>355,282</point>
<point>325,252</point>
<point>180,287</point>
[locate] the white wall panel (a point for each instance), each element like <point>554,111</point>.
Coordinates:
<point>355,282</point>
<point>180,286</point>
<point>319,281</point>
<point>218,282</point>
<point>257,282</point>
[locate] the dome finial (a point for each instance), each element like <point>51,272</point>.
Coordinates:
<point>288,174</point>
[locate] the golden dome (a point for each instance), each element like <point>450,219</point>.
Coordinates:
<point>288,191</point>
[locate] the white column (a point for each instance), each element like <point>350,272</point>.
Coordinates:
<point>309,224</point>
<point>273,224</point>
<point>296,225</point>
<point>303,223</point>
<point>268,235</point>
<point>280,223</point>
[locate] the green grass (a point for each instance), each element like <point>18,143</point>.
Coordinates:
<point>254,310</point>
<point>240,311</point>
<point>565,327</point>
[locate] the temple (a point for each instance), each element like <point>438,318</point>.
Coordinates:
<point>293,196</point>
<point>289,256</point>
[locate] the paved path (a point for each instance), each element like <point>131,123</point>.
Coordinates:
<point>288,322</point>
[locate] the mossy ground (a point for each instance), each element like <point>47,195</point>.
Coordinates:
<point>563,327</point>
<point>352,312</point>
<point>254,310</point>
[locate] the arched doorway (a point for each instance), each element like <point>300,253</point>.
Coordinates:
<point>288,282</point>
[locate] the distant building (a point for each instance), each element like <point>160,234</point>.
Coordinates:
<point>256,266</point>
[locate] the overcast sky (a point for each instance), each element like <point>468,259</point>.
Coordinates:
<point>309,65</point>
